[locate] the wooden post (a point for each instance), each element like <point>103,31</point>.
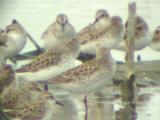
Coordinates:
<point>130,39</point>
<point>128,88</point>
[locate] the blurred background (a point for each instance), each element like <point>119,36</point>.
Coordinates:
<point>37,15</point>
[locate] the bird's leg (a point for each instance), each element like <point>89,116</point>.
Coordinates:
<point>86,108</point>
<point>3,116</point>
<point>57,102</point>
<point>46,87</point>
<point>14,60</point>
<point>126,56</point>
<point>3,62</point>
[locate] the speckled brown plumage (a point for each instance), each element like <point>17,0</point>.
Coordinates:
<point>6,76</point>
<point>79,73</point>
<point>88,76</point>
<point>27,103</point>
<point>12,96</point>
<point>29,110</point>
<point>95,30</point>
<point>52,57</point>
<point>90,33</point>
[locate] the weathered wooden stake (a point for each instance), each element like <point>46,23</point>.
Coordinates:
<point>130,39</point>
<point>128,88</point>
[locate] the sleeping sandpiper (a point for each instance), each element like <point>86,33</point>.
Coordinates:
<point>30,102</point>
<point>58,32</point>
<point>143,36</point>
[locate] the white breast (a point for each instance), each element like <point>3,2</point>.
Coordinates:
<point>140,43</point>
<point>15,44</point>
<point>155,46</point>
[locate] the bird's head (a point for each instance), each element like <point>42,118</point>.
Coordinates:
<point>101,15</point>
<point>62,20</point>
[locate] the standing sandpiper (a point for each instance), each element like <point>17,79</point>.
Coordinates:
<point>60,31</point>
<point>15,37</point>
<point>86,78</point>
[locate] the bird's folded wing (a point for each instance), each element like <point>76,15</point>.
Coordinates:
<point>75,74</point>
<point>49,58</point>
<point>49,30</point>
<point>90,33</point>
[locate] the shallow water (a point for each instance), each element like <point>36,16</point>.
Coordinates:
<point>108,106</point>
<point>36,15</point>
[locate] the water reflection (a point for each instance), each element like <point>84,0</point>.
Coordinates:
<point>129,99</point>
<point>127,113</point>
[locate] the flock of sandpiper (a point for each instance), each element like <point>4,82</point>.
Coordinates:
<point>22,89</point>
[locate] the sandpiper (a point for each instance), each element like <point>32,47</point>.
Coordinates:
<point>15,37</point>
<point>155,45</point>
<point>86,78</point>
<point>28,103</point>
<point>102,28</point>
<point>51,63</point>
<point>143,35</point>
<point>58,32</point>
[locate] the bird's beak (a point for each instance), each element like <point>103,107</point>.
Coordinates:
<point>3,44</point>
<point>96,20</point>
<point>63,27</point>
<point>125,35</point>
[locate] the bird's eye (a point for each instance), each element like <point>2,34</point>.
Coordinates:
<point>58,21</point>
<point>102,15</point>
<point>139,28</point>
<point>157,32</point>
<point>7,30</point>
